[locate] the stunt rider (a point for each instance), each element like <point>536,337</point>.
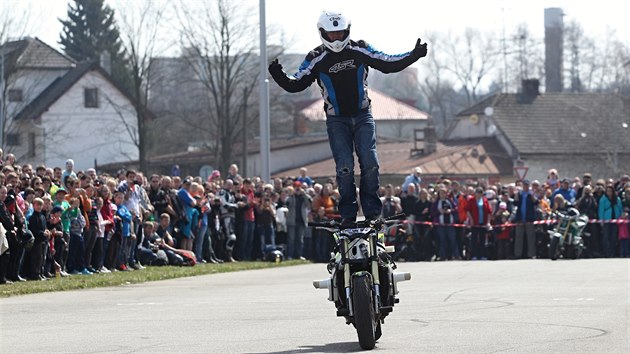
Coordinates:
<point>340,67</point>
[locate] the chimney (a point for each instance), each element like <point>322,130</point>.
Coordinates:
<point>553,49</point>
<point>430,138</point>
<point>529,91</point>
<point>105,61</point>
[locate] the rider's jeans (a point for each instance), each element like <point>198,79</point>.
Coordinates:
<point>344,135</point>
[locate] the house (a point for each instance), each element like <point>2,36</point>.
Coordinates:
<point>473,159</point>
<point>571,132</point>
<point>394,118</point>
<point>55,109</point>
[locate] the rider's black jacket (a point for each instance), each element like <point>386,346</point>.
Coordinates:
<point>342,76</point>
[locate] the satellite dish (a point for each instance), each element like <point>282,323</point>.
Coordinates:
<point>489,111</point>
<point>492,129</point>
<point>474,119</point>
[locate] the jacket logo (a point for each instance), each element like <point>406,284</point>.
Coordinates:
<point>344,65</point>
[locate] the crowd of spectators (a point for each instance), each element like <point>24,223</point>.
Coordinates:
<point>63,222</point>
<point>451,219</point>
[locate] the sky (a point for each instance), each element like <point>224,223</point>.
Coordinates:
<point>391,26</point>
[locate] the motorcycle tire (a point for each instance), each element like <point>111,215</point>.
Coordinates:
<point>364,311</point>
<point>553,248</point>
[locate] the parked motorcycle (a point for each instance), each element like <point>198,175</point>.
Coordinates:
<point>566,238</point>
<point>362,282</point>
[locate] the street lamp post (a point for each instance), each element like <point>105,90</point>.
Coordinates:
<point>264,97</point>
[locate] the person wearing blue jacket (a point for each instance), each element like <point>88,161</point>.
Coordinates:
<point>609,209</point>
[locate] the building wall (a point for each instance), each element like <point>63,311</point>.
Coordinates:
<point>284,159</point>
<point>84,134</point>
<point>32,83</point>
<point>398,129</point>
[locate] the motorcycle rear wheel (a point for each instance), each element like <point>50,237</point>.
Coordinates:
<point>364,311</point>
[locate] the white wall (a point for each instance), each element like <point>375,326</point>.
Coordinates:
<point>283,159</point>
<point>85,134</point>
<point>32,83</point>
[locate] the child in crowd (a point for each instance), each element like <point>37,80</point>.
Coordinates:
<point>76,247</point>
<point>128,239</point>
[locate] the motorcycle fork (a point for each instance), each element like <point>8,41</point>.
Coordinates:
<point>375,275</point>
<point>566,231</point>
<point>346,276</point>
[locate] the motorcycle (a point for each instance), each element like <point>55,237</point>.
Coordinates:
<point>362,282</point>
<point>566,238</point>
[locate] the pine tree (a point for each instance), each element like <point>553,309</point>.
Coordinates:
<point>91,30</point>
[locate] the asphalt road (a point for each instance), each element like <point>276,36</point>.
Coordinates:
<point>529,306</point>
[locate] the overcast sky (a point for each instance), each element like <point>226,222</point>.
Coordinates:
<point>393,25</point>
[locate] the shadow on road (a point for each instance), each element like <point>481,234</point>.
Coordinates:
<point>345,347</point>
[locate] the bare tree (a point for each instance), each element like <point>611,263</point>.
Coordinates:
<point>218,36</point>
<point>142,34</point>
<point>436,85</point>
<point>470,58</point>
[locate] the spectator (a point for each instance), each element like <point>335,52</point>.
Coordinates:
<point>68,173</point>
<point>304,179</point>
<point>565,191</point>
<point>76,247</point>
<point>188,203</point>
<point>414,178</point>
<point>443,212</point>
<point>552,178</point>
<point>36,254</point>
<point>586,181</point>
<point>609,209</point>
<point>233,174</point>
<point>479,212</point>
<point>228,208</point>
<point>587,205</point>
<point>391,203</point>
<point>265,217</point>
<point>526,203</point>
<point>127,237</point>
<point>298,205</point>
<point>248,203</point>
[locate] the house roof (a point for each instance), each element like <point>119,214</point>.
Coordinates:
<point>560,122</point>
<point>33,53</point>
<point>465,158</point>
<point>384,107</point>
<point>58,88</point>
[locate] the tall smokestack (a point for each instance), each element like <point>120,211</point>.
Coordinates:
<point>553,49</point>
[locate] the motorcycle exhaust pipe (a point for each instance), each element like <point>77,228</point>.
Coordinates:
<point>398,277</point>
<point>322,284</point>
<point>401,276</point>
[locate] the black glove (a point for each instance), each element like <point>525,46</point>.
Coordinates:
<point>420,49</point>
<point>275,68</point>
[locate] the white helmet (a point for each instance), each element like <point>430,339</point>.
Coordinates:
<point>331,22</point>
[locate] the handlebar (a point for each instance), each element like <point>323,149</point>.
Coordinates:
<point>372,223</point>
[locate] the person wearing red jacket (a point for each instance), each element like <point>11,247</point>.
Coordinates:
<point>478,211</point>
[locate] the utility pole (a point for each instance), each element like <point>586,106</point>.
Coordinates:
<point>2,100</point>
<point>244,171</point>
<point>264,98</point>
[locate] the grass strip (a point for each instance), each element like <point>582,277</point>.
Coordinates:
<point>132,277</point>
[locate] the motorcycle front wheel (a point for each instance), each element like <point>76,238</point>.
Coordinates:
<point>553,248</point>
<point>364,311</point>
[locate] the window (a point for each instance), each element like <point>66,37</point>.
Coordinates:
<point>13,139</point>
<point>15,95</point>
<point>31,144</point>
<point>91,98</point>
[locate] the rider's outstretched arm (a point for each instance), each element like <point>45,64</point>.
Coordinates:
<point>388,63</point>
<point>298,82</point>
